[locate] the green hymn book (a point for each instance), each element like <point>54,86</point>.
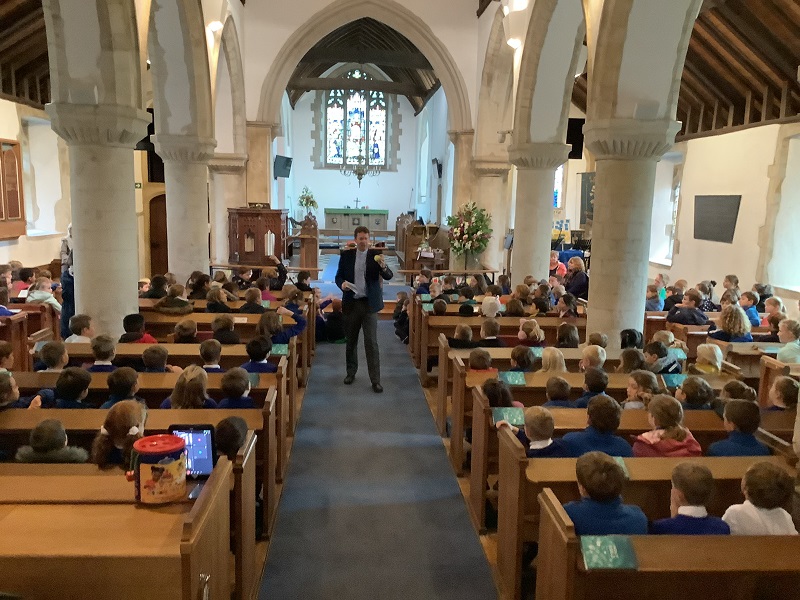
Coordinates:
<point>608,552</point>
<point>425,297</point>
<point>512,415</point>
<point>427,307</point>
<point>673,381</point>
<point>512,377</point>
<point>280,350</point>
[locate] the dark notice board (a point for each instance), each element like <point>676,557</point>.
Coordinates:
<point>715,217</point>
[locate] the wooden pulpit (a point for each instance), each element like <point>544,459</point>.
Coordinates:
<point>250,235</point>
<point>309,242</point>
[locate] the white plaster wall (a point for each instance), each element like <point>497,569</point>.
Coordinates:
<point>736,164</point>
<point>391,190</point>
<point>431,125</point>
<point>42,201</point>
<point>268,29</point>
<point>34,250</point>
<point>784,269</point>
<point>662,208</point>
<point>82,44</point>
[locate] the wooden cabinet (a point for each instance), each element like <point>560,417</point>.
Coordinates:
<point>347,219</point>
<point>248,230</point>
<point>12,206</point>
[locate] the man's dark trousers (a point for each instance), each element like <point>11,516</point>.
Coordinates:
<point>357,316</point>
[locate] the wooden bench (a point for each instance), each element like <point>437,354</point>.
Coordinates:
<point>120,551</point>
<point>523,479</point>
<point>747,356</point>
<point>14,330</point>
<point>713,567</point>
<point>705,425</point>
<point>771,369</point>
<point>42,317</point>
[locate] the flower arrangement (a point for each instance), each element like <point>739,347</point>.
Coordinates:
<point>306,200</point>
<point>470,229</point>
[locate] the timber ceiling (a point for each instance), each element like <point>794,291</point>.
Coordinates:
<point>367,41</point>
<point>24,70</point>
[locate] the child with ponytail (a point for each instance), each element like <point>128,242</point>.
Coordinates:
<point>124,425</point>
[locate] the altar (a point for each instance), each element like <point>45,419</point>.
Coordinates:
<point>347,219</point>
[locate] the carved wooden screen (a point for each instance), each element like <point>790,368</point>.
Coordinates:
<point>12,205</point>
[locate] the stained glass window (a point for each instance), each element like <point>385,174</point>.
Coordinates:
<point>355,123</point>
<point>558,185</point>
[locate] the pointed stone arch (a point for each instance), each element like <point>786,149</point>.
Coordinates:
<point>232,53</point>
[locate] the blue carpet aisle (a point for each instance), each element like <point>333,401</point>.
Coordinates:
<point>371,507</point>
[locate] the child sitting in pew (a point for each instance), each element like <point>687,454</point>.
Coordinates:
<point>692,487</point>
<point>423,281</point>
<point>668,438</point>
<point>258,350</point>
<point>553,361</point>
<point>9,395</point>
<point>124,424</point>
<point>772,306</point>
<point>783,394</point>
<point>695,393</point>
<point>653,301</point>
<point>480,361</point>
<point>467,296</point>
<point>190,390</point>
<point>688,311</point>
<point>603,417</point>
<point>733,390</point>
<point>557,390</point>
<point>490,307</point>
<point>4,300</point>
<point>521,359</point>
<point>186,332</point>
<point>642,385</point>
<point>567,336</point>
<point>592,356</point>
<point>666,337</point>
<point>6,357</point>
<point>741,419</point>
<point>439,308</point>
<point>567,306</point>
<point>25,279</point>
<point>222,326</point>
<point>659,360</point>
<point>774,324</point>
<point>122,385</point>
<point>270,326</point>
<point>134,331</point>
<point>748,303</point>
<point>175,302</point>
<point>709,360</point>
<point>597,338</point>
<point>499,394</point>
<point>334,324</point>
<point>263,285</point>
<point>104,350</point>
<point>40,293</point>
<point>630,360</point>
<point>236,387</point>
<point>631,338</point>
<point>490,329</point>
<point>215,301</point>
<point>72,387</point>
<point>154,359</point>
<point>462,338</point>
<point>514,308</point>
<point>600,510</point>
<point>789,334</point>
<point>81,328</point>
<point>466,310</point>
<point>733,326</point>
<point>211,352</point>
<point>595,381</point>
<point>530,334</point>
<point>48,444</point>
<point>303,281</point>
<point>53,357</point>
<point>437,294</point>
<point>252,303</point>
<point>504,281</point>
<point>767,488</point>
<point>537,434</point>
<point>401,324</point>
<point>295,302</point>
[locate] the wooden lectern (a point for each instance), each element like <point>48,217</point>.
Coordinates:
<point>249,234</point>
<point>309,242</point>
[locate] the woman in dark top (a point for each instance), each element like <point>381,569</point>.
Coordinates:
<point>577,281</point>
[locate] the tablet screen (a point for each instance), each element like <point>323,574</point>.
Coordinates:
<point>199,449</point>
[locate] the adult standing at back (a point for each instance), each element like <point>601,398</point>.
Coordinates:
<point>359,277</point>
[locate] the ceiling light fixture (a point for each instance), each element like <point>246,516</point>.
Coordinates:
<point>215,26</point>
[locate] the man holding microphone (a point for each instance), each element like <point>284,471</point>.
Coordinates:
<point>359,277</point>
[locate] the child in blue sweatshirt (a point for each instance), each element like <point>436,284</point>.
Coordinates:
<point>537,435</point>
<point>742,419</point>
<point>122,385</point>
<point>603,415</point>
<point>692,486</point>
<point>104,350</point>
<point>748,302</point>
<point>558,390</point>
<point>600,510</point>
<point>595,381</point>
<point>521,359</point>
<point>258,349</point>
<point>72,387</point>
<point>271,326</point>
<point>236,387</point>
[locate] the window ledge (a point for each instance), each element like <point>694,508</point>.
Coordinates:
<point>34,233</point>
<point>661,262</point>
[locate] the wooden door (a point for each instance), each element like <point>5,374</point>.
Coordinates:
<point>159,263</point>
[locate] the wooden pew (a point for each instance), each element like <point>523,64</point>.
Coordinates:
<point>14,330</point>
<point>522,479</point>
<point>653,322</point>
<point>532,393</point>
<point>731,566</point>
<point>705,425</point>
<point>168,552</point>
<point>42,316</point>
<point>691,335</point>
<point>243,511</point>
<point>183,355</point>
<point>771,369</point>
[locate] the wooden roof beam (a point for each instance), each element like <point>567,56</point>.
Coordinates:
<point>7,7</point>
<point>25,27</point>
<point>308,84</point>
<point>362,55</point>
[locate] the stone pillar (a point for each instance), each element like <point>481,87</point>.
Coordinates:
<point>626,152</point>
<point>533,221</point>
<point>259,161</point>
<point>462,173</point>
<point>228,189</point>
<point>186,180</point>
<point>105,246</point>
<point>491,192</point>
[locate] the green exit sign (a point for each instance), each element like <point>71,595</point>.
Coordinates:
<point>137,186</point>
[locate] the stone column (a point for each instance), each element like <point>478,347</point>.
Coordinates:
<point>462,173</point>
<point>228,189</point>
<point>533,221</point>
<point>105,246</point>
<point>186,180</point>
<point>491,192</point>
<point>626,152</point>
<point>259,161</point>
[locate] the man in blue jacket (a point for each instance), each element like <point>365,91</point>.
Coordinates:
<point>359,277</point>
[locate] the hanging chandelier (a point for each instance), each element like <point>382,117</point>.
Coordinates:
<point>360,169</point>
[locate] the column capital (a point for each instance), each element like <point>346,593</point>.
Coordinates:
<point>98,124</point>
<point>490,167</point>
<point>538,155</point>
<point>275,129</point>
<point>227,163</point>
<point>457,136</point>
<point>629,139</point>
<point>184,148</point>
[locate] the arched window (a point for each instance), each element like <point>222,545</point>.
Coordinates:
<point>355,125</point>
